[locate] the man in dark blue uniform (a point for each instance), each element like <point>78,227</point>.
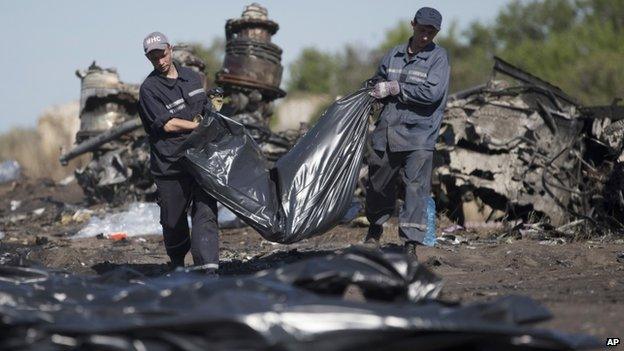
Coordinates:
<point>170,98</point>
<point>412,83</point>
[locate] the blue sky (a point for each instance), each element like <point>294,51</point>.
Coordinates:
<point>46,41</point>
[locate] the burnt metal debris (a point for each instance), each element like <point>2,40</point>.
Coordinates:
<point>511,150</point>
<point>604,161</point>
<point>520,147</point>
<point>252,68</point>
<point>110,130</point>
<point>296,307</point>
<point>105,101</point>
<point>251,76</point>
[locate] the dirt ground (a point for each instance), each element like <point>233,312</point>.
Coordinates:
<point>581,282</point>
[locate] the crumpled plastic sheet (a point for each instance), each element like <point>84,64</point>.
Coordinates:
<point>309,189</point>
<point>143,218</point>
<point>9,171</point>
<point>295,307</point>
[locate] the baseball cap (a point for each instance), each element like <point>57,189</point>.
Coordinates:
<point>429,17</point>
<point>155,41</point>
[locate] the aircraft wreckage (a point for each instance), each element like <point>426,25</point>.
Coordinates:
<point>514,148</point>
<point>518,146</point>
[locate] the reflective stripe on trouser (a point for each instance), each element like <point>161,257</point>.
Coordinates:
<point>175,196</point>
<point>415,168</point>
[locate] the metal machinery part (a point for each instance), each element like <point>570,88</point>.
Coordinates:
<point>252,69</point>
<point>110,130</point>
<point>105,101</point>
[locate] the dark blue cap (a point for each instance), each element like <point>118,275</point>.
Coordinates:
<point>428,16</point>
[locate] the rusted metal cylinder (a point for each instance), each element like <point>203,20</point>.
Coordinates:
<point>105,101</point>
<point>252,61</point>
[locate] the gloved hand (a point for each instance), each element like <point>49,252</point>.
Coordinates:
<point>383,89</point>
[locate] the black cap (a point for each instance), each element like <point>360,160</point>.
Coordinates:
<point>428,16</point>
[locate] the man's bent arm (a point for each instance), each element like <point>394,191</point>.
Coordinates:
<point>179,125</point>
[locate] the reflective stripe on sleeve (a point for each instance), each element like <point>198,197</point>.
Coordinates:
<point>174,104</point>
<point>196,91</point>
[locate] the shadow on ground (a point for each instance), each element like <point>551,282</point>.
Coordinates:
<point>226,268</point>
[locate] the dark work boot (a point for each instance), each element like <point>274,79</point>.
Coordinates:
<point>410,249</point>
<point>373,236</point>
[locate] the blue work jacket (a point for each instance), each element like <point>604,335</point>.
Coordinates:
<point>411,120</point>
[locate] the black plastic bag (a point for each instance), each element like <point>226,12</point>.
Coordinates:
<point>295,307</point>
<point>309,189</point>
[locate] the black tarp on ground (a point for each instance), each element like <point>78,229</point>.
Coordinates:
<point>296,307</point>
<point>309,189</point>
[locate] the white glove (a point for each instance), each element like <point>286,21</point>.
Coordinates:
<point>383,89</point>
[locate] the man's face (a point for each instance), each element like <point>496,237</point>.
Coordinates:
<point>160,59</point>
<point>423,34</point>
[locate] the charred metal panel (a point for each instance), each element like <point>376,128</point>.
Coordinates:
<point>105,101</point>
<point>510,152</point>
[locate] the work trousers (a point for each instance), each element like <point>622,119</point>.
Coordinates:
<point>176,195</point>
<point>415,168</point>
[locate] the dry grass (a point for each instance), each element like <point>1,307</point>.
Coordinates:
<point>37,150</point>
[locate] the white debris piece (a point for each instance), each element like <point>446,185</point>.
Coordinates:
<point>15,204</point>
<point>9,170</point>
<point>141,218</point>
<point>67,180</point>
